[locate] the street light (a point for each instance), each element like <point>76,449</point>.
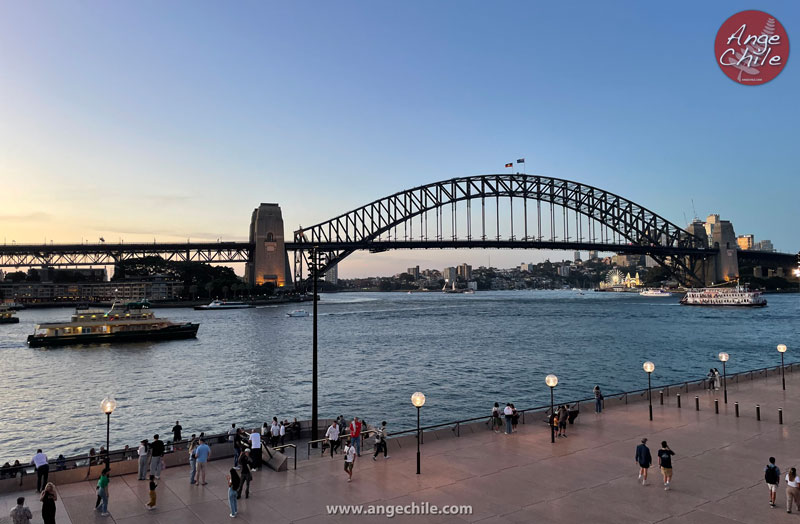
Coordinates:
<point>724,358</point>
<point>552,381</point>
<point>108,405</point>
<point>649,367</point>
<point>418,399</point>
<point>782,350</point>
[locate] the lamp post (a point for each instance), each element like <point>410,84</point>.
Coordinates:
<point>552,381</point>
<point>782,350</point>
<point>314,370</point>
<point>649,367</point>
<point>108,405</point>
<point>724,358</point>
<point>418,399</point>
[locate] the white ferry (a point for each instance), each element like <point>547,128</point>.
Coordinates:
<point>223,304</point>
<point>655,293</point>
<point>132,322</point>
<point>736,297</point>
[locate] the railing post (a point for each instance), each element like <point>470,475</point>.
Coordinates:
<point>758,412</point>
<point>696,403</point>
<point>662,396</point>
<point>686,385</point>
<point>736,405</point>
<point>780,415</point>
<point>523,417</point>
<point>716,406</point>
<point>678,396</point>
<point>626,398</point>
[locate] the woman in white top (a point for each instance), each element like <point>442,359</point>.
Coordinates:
<point>792,490</point>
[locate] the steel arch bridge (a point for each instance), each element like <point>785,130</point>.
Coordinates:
<point>479,212</point>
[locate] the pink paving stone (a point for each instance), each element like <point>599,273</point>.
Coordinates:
<point>588,477</point>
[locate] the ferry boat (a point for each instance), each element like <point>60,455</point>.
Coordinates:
<point>733,297</point>
<point>7,315</point>
<point>655,293</point>
<point>132,322</point>
<point>223,304</point>
<point>298,313</point>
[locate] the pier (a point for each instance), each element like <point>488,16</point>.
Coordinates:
<point>588,476</point>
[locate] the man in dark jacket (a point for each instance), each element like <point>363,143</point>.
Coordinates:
<point>644,460</point>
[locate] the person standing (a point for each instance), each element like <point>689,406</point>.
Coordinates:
<point>143,451</point>
<point>275,432</point>
<point>772,476</point>
<point>380,441</point>
<point>563,415</point>
<point>152,503</point>
<point>283,432</point>
<point>102,492</point>
<point>156,462</point>
<point>202,454</point>
<point>665,462</point>
<point>716,379</point>
<point>349,460</point>
<point>237,447</point>
<point>42,469</point>
<point>48,499</point>
<point>644,460</point>
<point>333,437</point>
<point>792,490</point>
<point>231,432</point>
<point>246,477</point>
<point>233,487</point>
<point>514,418</point>
<point>21,514</point>
<point>496,417</point>
<point>598,399</point>
<point>176,432</point>
<point>507,413</point>
<point>255,447</point>
<point>355,435</point>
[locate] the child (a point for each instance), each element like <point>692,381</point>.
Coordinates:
<point>153,486</point>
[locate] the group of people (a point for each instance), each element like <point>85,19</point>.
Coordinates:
<point>713,379</point>
<point>772,476</point>
<point>21,514</point>
<point>511,418</point>
<point>644,460</point>
<point>356,431</point>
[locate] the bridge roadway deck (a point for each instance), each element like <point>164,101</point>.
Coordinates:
<point>588,477</point>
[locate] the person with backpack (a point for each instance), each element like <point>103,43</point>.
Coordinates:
<point>644,460</point>
<point>772,476</point>
<point>665,462</point>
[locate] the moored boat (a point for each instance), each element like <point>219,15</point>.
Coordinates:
<point>132,322</point>
<point>297,313</point>
<point>725,297</point>
<point>224,304</point>
<point>655,293</point>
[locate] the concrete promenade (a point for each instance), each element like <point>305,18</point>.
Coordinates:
<point>588,477</point>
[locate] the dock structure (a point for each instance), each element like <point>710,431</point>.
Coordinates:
<point>590,476</point>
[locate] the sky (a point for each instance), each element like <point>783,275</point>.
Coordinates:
<point>165,121</point>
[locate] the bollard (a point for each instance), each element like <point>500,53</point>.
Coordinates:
<point>696,403</point>
<point>687,386</point>
<point>736,405</point>
<point>678,395</point>
<point>780,415</point>
<point>716,406</point>
<point>758,412</point>
<point>662,397</point>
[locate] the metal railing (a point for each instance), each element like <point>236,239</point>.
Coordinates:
<point>284,446</point>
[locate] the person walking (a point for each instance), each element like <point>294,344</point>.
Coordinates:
<point>233,487</point>
<point>508,413</point>
<point>772,476</point>
<point>176,432</point>
<point>143,452</point>
<point>42,469</point>
<point>192,459</point>
<point>665,462</point>
<point>21,514</point>
<point>255,450</point>
<point>333,437</point>
<point>156,461</point>
<point>245,463</point>
<point>349,459</point>
<point>102,492</point>
<point>202,454</point>
<point>380,441</point>
<point>355,435</point>
<point>598,399</point>
<point>644,460</point>
<point>152,502</point>
<point>792,490</point>
<point>48,499</point>
<point>563,415</point>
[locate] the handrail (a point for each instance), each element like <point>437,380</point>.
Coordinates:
<point>284,446</point>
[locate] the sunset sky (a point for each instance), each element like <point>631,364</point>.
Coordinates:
<point>173,120</point>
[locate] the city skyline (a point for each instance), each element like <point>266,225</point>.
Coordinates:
<point>170,122</point>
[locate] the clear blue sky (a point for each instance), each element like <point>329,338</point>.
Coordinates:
<point>175,119</point>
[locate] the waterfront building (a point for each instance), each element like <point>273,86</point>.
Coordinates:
<point>449,274</point>
<point>465,271</point>
<point>156,287</point>
<point>626,260</point>
<point>563,270</point>
<point>332,275</point>
<point>745,242</point>
<point>526,267</point>
<point>414,272</point>
<point>270,262</point>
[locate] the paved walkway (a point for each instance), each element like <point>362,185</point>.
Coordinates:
<point>589,477</point>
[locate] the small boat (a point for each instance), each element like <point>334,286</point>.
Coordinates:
<point>738,296</point>
<point>224,304</point>
<point>7,315</point>
<point>655,293</point>
<point>297,313</point>
<point>132,322</point>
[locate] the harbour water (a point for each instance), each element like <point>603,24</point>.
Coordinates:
<point>375,349</point>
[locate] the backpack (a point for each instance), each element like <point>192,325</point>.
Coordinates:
<point>771,475</point>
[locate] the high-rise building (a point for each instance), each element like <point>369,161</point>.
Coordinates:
<point>449,274</point>
<point>764,245</point>
<point>332,274</point>
<point>269,262</point>
<point>592,255</point>
<point>414,272</point>
<point>526,266</point>
<point>745,242</point>
<point>465,271</point>
<point>576,257</point>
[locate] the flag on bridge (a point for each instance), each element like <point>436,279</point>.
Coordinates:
<point>520,161</point>
<point>511,164</point>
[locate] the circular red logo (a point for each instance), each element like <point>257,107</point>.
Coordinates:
<point>752,47</point>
